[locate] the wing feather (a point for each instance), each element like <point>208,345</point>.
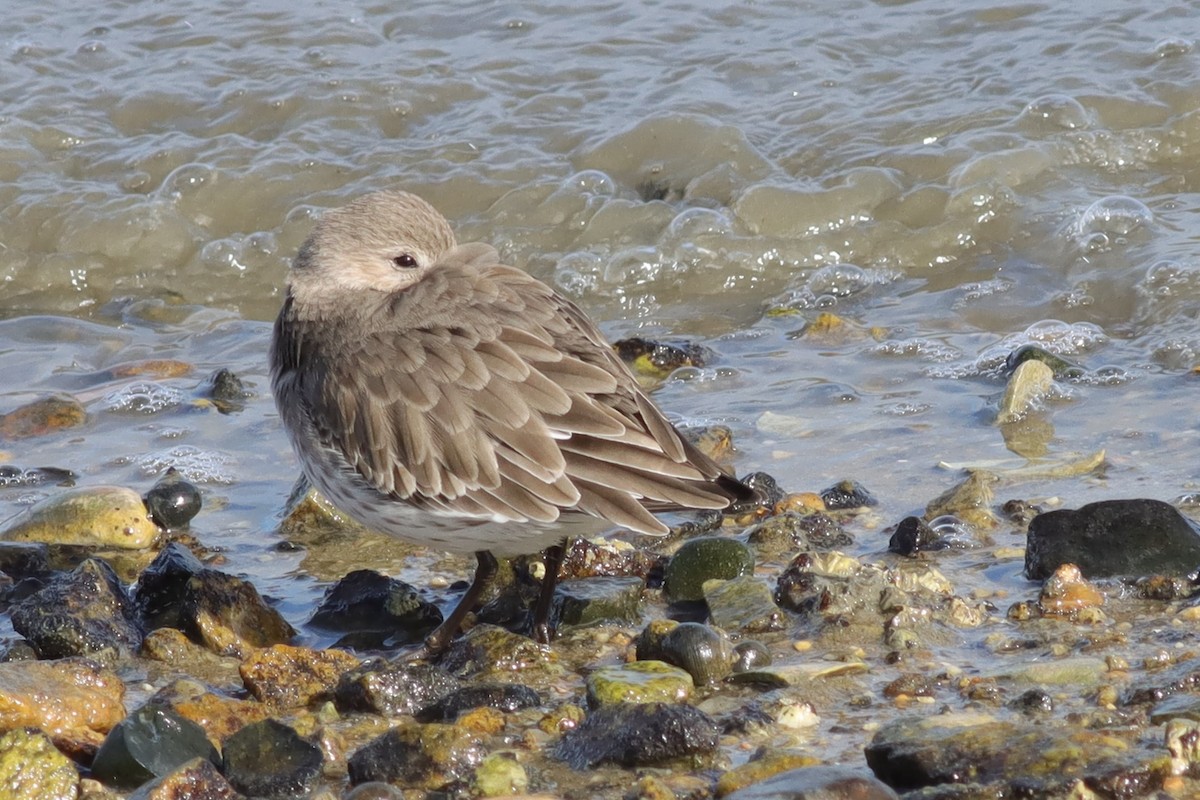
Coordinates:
<point>482,392</point>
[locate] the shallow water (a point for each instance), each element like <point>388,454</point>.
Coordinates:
<point>960,178</point>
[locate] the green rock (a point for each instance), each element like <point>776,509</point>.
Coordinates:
<point>588,601</point>
<point>32,769</point>
<point>148,744</point>
<point>703,559</point>
<point>639,682</point>
<point>500,775</point>
<point>93,516</point>
<point>743,604</point>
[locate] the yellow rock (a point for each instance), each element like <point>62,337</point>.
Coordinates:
<point>92,516</point>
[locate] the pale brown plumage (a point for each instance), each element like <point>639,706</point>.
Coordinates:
<point>415,374</point>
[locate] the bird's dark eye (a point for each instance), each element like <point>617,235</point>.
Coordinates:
<point>405,261</point>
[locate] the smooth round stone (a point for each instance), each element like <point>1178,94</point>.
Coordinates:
<point>704,652</point>
<point>172,501</point>
<point>150,743</point>
<point>92,516</point>
<point>639,682</point>
<point>703,559</point>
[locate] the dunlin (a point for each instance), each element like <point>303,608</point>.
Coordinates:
<point>435,394</point>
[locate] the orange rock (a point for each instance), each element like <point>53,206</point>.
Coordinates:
<point>73,700</point>
<point>284,676</point>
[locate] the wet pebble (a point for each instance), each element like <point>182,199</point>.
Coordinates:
<point>393,688</point>
<point>593,600</point>
<point>93,516</point>
<point>704,652</point>
<point>750,654</point>
<point>506,697</point>
<point>431,756</point>
<point>150,743</point>
<point>914,535</point>
<point>970,500</point>
<point>636,735</point>
<point>283,676</point>
<point>32,769</point>
<point>375,608</point>
<point>269,759</point>
<point>226,391</point>
<point>1059,366</point>
<point>490,653</point>
<point>20,560</point>
<point>817,783</point>
<point>47,415</point>
<point>197,779</point>
<point>162,586</point>
<point>499,775</point>
<point>1067,593</point>
<point>659,359</point>
<point>74,699</point>
<point>786,533</point>
<point>85,612</point>
<point>846,495</point>
<point>743,604</point>
<point>1027,387</point>
<point>218,714</point>
<point>228,616</point>
<point>172,502</point>
<point>1113,538</point>
<point>11,476</point>
<point>702,559</point>
<point>638,682</point>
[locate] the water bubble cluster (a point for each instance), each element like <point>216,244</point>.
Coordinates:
<point>192,463</point>
<point>142,397</point>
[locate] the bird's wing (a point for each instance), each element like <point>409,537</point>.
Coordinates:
<point>484,392</point>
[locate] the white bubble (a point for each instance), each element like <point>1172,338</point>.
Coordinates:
<point>1057,110</point>
<point>194,464</point>
<point>1113,216</point>
<point>839,280</point>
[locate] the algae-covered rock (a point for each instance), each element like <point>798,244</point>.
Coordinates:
<point>92,516</point>
<point>702,559</point>
<point>32,769</point>
<point>743,604</point>
<point>284,676</point>
<point>638,682</point>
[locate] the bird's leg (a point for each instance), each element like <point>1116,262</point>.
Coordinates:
<point>552,558</point>
<point>485,571</point>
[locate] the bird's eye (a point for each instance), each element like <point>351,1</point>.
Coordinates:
<point>405,261</point>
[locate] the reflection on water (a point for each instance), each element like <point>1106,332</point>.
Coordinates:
<point>952,179</point>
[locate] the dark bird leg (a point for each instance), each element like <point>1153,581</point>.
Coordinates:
<point>436,641</point>
<point>553,559</point>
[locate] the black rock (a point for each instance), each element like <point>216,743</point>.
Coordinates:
<point>392,689</point>
<point>269,759</point>
<point>501,696</point>
<point>35,476</point>
<point>1113,538</point>
<point>636,735</point>
<point>801,589</point>
<point>662,356</point>
<point>81,613</point>
<point>847,494</point>
<point>20,560</point>
<point>150,743</point>
<point>163,585</point>
<point>226,391</point>
<point>767,489</point>
<point>913,535</point>
<point>369,602</point>
<point>430,756</point>
<point>817,783</point>
<point>172,501</point>
<point>228,615</point>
